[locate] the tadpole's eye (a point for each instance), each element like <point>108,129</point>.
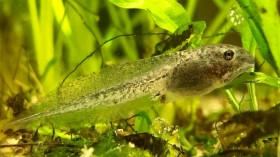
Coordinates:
<point>228,55</point>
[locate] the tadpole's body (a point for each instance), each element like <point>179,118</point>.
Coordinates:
<point>101,96</point>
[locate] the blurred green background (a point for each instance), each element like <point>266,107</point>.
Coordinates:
<point>42,41</point>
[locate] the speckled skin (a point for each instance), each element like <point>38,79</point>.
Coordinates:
<point>207,69</point>
<point>185,73</point>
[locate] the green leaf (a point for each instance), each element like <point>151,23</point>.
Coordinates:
<point>255,26</point>
<point>168,14</point>
<point>256,77</point>
<point>184,37</point>
<point>270,21</point>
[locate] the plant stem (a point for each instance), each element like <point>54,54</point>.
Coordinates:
<point>232,100</point>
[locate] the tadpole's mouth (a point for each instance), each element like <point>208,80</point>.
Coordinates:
<point>250,62</point>
<point>247,59</point>
<point>246,63</point>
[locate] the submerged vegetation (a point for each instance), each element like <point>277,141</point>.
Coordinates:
<point>43,41</point>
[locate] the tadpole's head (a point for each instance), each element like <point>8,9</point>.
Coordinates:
<point>228,63</point>
<point>208,68</point>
